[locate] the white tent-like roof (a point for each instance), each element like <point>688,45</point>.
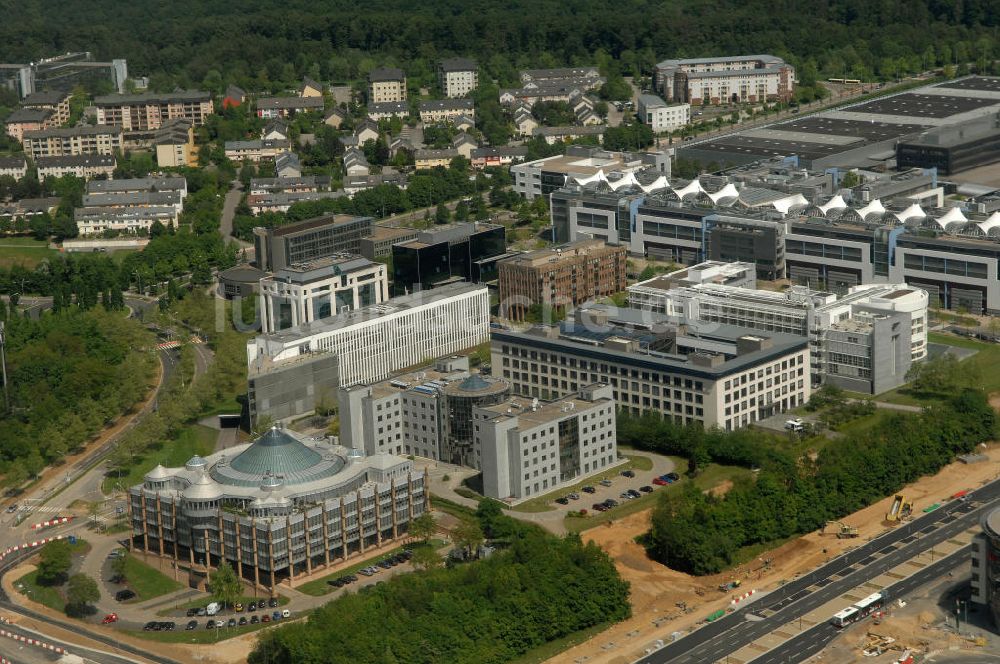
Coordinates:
<point>992,222</point>
<point>729,191</point>
<point>835,203</point>
<point>599,176</point>
<point>875,207</point>
<point>912,212</point>
<point>952,216</point>
<point>659,183</point>
<point>783,205</point>
<point>692,187</point>
<point>627,181</point>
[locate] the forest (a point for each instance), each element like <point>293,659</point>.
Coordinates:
<point>267,44</point>
<point>538,589</point>
<point>703,533</point>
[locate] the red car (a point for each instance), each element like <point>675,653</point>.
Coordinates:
<point>659,481</point>
<point>110,618</point>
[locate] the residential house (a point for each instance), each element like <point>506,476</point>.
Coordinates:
<point>272,107</point>
<point>255,150</point>
<point>457,77</point>
<point>355,183</point>
<point>432,158</point>
<point>463,123</point>
<point>335,117</point>
<point>281,201</point>
<point>83,166</point>
<point>234,97</point>
<point>464,144</point>
<point>28,119</point>
<point>175,146</point>
<point>56,101</point>
<point>286,165</point>
<point>310,88</point>
<point>63,141</point>
<point>400,143</point>
<point>302,184</point>
<point>548,90</point>
<point>276,130</point>
<point>446,110</point>
<point>386,84</point>
<point>553,135</point>
<point>15,167</point>
<point>388,109</point>
<point>355,162</point>
<point>559,74</point>
<point>366,131</point>
<point>481,158</point>
<point>525,122</point>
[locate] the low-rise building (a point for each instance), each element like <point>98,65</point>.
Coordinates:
<point>481,158</point>
<point>335,117</point>
<point>543,176</point>
<point>355,162</point>
<point>432,158</point>
<point>65,141</point>
<point>281,201</point>
<point>464,144</point>
<point>310,88</point>
<point>15,167</point>
<point>560,277</point>
<point>273,107</point>
<point>446,110</point>
<point>303,241</point>
<point>355,183</point>
<point>130,205</point>
<point>28,119</point>
<point>721,376</point>
<point>175,146</point>
<point>276,129</point>
<point>305,292</point>
<point>388,109</point>
<point>255,150</point>
<point>386,84</point>
<point>83,166</point>
<point>234,97</point>
<point>94,220</point>
<point>553,135</point>
<point>56,101</point>
<point>660,116</point>
<point>151,111</point>
<point>560,74</point>
<point>457,77</point>
<point>289,370</point>
<point>301,184</point>
<point>273,509</point>
<point>286,165</point>
<point>379,243</point>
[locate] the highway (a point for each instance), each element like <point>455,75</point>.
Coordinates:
<point>716,640</point>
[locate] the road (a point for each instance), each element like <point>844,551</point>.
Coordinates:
<point>716,640</point>
<point>229,211</point>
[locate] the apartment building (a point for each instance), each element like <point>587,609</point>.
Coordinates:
<point>255,150</point>
<point>386,84</point>
<point>301,184</point>
<point>530,448</point>
<point>885,325</point>
<point>95,220</point>
<point>281,201</point>
<point>83,166</point>
<point>560,277</point>
<point>305,292</point>
<point>15,167</point>
<point>283,107</point>
<point>27,119</point>
<point>457,77</point>
<point>389,109</point>
<point>303,241</point>
<point>446,110</point>
<point>150,111</point>
<point>426,159</point>
<point>66,141</point>
<point>748,78</point>
<point>362,346</point>
<point>174,143</point>
<point>130,205</point>
<point>56,101</point>
<point>660,116</point>
<point>723,376</point>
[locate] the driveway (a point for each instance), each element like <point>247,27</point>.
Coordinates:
<point>229,211</point>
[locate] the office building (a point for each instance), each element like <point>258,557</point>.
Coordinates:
<point>660,116</point>
<point>150,111</point>
<point>529,448</point>
<point>386,84</point>
<point>305,292</point>
<point>273,509</point>
<point>83,166</point>
<point>721,376</point>
<point>560,277</point>
<point>427,412</point>
<point>62,72</point>
<point>740,79</point>
<point>303,241</point>
<point>457,77</point>
<point>953,148</point>
<point>379,243</point>
<point>864,341</point>
<point>448,254</point>
<point>986,565</point>
<point>543,176</point>
<point>67,141</point>
<point>363,346</point>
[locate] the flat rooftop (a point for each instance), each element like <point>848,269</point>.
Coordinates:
<point>867,130</point>
<point>916,105</point>
<point>563,252</point>
<point>341,262</point>
<point>981,83</point>
<point>771,147</point>
<point>543,413</point>
<point>317,222</point>
<point>383,233</point>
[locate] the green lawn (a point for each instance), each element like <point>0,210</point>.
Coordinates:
<point>23,251</point>
<point>319,587</point>
<point>50,596</point>
<point>146,581</point>
<point>193,439</point>
<point>987,361</point>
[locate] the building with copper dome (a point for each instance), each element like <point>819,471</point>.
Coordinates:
<point>275,509</point>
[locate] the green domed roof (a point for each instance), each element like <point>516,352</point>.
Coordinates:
<point>278,452</point>
<point>473,383</point>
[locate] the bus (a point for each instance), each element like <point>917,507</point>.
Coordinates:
<point>858,611</point>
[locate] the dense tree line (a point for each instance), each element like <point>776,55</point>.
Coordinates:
<point>538,589</point>
<point>701,533</point>
<point>70,374</point>
<point>267,44</point>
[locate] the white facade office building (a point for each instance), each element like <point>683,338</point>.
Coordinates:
<point>529,448</point>
<point>372,342</point>
<point>306,292</point>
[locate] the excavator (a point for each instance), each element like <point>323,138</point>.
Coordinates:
<point>845,531</point>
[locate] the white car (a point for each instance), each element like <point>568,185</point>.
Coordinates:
<point>794,425</point>
<point>285,613</point>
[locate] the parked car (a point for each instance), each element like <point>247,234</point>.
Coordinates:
<point>239,607</point>
<point>243,620</point>
<point>659,481</point>
<point>232,622</point>
<point>589,489</point>
<point>254,619</point>
<point>210,624</point>
<point>574,496</point>
<point>632,493</point>
<point>562,501</point>
<point>190,613</point>
<point>673,476</point>
<point>605,482</point>
<point>265,618</point>
<point>252,606</point>
<point>610,502</point>
<point>276,615</point>
<point>628,473</point>
<point>124,595</point>
<point>625,495</point>
<point>110,618</point>
<point>201,612</point>
<point>285,613</point>
<point>646,488</point>
<point>599,507</point>
<point>273,602</point>
<point>149,627</point>
<point>191,625</point>
<point>12,509</point>
<point>168,626</point>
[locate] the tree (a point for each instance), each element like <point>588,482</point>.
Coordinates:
<point>426,558</point>
<point>118,566</point>
<point>442,215</point>
<point>468,535</point>
<point>850,180</point>
<point>225,585</point>
<point>54,563</point>
<point>462,211</point>
<point>423,527</point>
<point>80,592</point>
